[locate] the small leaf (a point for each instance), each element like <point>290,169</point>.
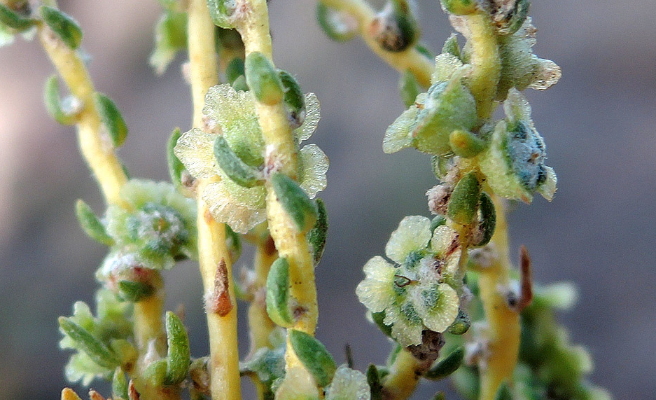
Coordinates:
<point>240,84</point>
<point>155,373</point>
<point>14,20</point>
<point>234,70</point>
<point>112,119</point>
<point>119,385</point>
<point>134,291</point>
<point>294,201</point>
<point>317,235</point>
<point>461,324</point>
<point>294,99</point>
<point>86,342</point>
<point>175,165</point>
<point>395,28</point>
<point>466,144</point>
<point>178,357</point>
<point>373,379</point>
<point>314,356</point>
<point>451,46</point>
<point>54,105</point>
<point>447,365</point>
<point>263,79</point>
<point>463,203</point>
<point>460,7</point>
<point>378,319</point>
<point>91,224</point>
<point>503,393</point>
<point>63,25</point>
<point>237,170</point>
<point>488,220</point>
<point>170,37</point>
<point>409,88</point>
<point>221,12</point>
<point>233,241</point>
<point>277,293</point>
<point>337,25</point>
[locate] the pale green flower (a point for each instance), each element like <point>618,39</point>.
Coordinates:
<point>417,293</point>
<point>348,384</point>
<point>232,113</point>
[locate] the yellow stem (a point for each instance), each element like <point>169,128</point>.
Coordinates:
<point>403,377</point>
<point>212,247</point>
<point>503,322</point>
<point>409,60</point>
<point>485,60</point>
<point>95,146</point>
<point>254,30</point>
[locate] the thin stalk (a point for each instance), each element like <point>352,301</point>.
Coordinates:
<point>254,30</point>
<point>95,146</point>
<point>485,60</point>
<point>503,322</point>
<point>403,376</point>
<point>212,248</point>
<point>409,60</point>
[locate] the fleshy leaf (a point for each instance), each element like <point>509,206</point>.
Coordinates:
<point>221,12</point>
<point>294,201</point>
<point>112,119</point>
<point>409,88</point>
<point>91,224</point>
<point>63,25</point>
<point>64,112</point>
<point>317,235</point>
<point>463,203</point>
<point>337,25</point>
<point>170,37</point>
<point>14,20</point>
<point>263,79</point>
<point>178,356</point>
<point>277,293</point>
<point>447,365</point>
<point>314,356</point>
<point>233,166</point>
<point>90,345</point>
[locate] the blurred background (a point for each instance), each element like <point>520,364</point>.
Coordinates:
<point>599,231</point>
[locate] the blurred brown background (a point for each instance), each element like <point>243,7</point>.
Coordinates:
<point>598,123</point>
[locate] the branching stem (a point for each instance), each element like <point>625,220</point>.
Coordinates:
<point>409,60</point>
<point>212,247</point>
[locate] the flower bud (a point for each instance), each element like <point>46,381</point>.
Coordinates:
<point>395,28</point>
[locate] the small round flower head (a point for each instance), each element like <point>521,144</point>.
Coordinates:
<point>233,112</point>
<point>416,293</point>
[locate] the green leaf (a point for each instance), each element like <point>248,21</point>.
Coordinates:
<point>460,7</point>
<point>463,203</point>
<point>63,25</point>
<point>234,70</point>
<point>91,224</point>
<point>314,356</point>
<point>294,99</point>
<point>395,28</point>
<point>447,365</point>
<point>263,79</point>
<point>54,104</point>
<point>317,235</point>
<point>294,201</point>
<point>119,385</point>
<point>233,241</point>
<point>373,379</point>
<point>409,88</point>
<point>175,165</point>
<point>237,170</point>
<point>466,144</point>
<point>503,393</point>
<point>112,119</point>
<point>14,20</point>
<point>134,291</point>
<point>170,37</point>
<point>277,293</point>
<point>94,348</point>
<point>488,220</point>
<point>155,373</point>
<point>461,324</point>
<point>221,12</point>
<point>337,25</point>
<point>451,46</point>
<point>240,84</point>
<point>378,319</point>
<point>178,357</point>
